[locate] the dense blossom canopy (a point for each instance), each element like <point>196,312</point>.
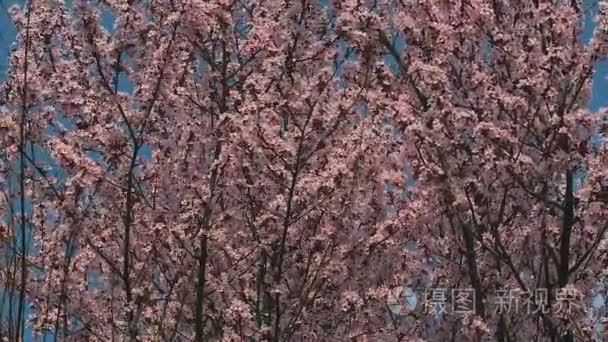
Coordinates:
<point>252,170</point>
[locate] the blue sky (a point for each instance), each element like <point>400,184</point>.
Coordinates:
<point>7,36</point>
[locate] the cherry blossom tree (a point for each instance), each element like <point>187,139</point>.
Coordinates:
<point>236,192</point>
<point>236,170</point>
<point>490,100</point>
